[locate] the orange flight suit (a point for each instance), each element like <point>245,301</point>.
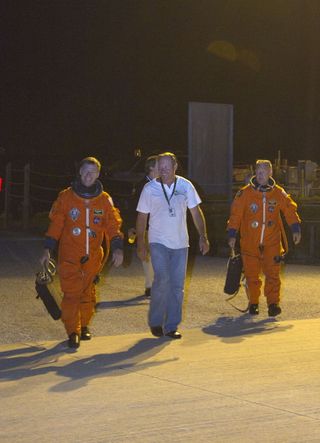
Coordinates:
<point>255,211</point>
<point>80,224</point>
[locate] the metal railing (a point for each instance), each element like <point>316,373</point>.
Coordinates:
<point>26,188</point>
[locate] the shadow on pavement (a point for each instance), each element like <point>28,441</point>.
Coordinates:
<point>234,330</point>
<point>122,303</point>
<point>81,370</point>
<point>26,359</point>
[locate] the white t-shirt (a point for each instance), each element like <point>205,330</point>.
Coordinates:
<point>168,224</point>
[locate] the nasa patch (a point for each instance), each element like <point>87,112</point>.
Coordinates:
<point>254,207</point>
<point>74,214</point>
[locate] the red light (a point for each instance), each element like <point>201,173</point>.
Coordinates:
<point>1,180</point>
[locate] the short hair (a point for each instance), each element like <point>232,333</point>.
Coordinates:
<point>90,161</point>
<point>150,163</point>
<point>264,163</point>
<point>171,155</point>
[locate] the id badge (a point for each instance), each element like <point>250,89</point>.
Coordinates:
<point>172,212</point>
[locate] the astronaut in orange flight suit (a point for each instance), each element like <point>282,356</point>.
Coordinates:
<point>255,211</point>
<point>79,219</point>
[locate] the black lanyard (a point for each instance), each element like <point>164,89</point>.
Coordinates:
<point>164,191</point>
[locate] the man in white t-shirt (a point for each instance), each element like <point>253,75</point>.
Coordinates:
<point>165,200</point>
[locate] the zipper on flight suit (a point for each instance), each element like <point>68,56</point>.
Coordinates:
<point>263,227</point>
<point>85,258</point>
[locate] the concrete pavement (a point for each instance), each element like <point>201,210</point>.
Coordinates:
<point>123,309</point>
<point>237,380</point>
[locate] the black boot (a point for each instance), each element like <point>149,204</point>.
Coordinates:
<point>74,341</point>
<point>254,309</point>
<point>147,292</point>
<point>274,309</point>
<point>156,331</point>
<point>174,334</point>
<point>85,333</point>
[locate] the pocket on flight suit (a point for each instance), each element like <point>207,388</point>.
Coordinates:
<point>71,277</point>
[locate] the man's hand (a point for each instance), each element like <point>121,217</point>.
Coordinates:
<point>44,259</point>
<point>296,236</point>
<point>117,257</point>
<point>232,242</point>
<point>204,244</point>
<point>200,224</point>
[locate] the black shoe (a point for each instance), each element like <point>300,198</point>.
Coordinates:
<point>156,331</point>
<point>85,333</point>
<point>254,309</point>
<point>147,292</point>
<point>74,341</point>
<point>174,334</point>
<point>274,309</point>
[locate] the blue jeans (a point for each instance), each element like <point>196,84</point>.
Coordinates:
<point>167,291</point>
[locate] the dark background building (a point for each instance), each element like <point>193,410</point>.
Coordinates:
<point>103,77</point>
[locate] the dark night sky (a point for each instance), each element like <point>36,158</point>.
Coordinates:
<point>102,77</point>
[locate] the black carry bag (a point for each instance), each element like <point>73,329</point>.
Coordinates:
<point>48,290</point>
<point>234,271</point>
